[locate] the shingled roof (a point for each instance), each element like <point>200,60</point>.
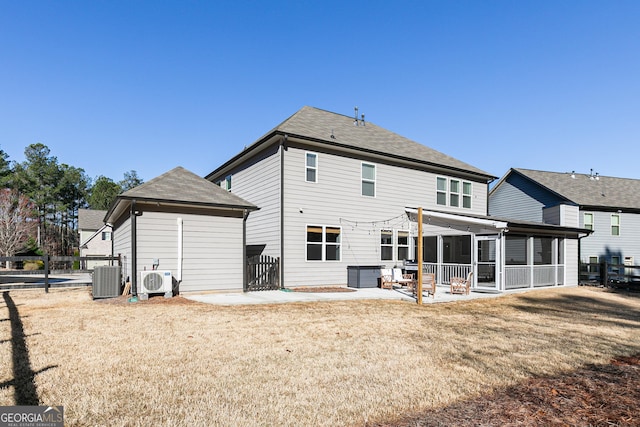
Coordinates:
<point>180,186</point>
<point>588,190</point>
<point>90,219</point>
<point>340,132</point>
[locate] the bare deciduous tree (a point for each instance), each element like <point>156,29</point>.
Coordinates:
<point>16,222</point>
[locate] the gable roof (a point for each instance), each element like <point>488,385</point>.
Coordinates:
<point>90,219</point>
<point>341,132</point>
<point>180,186</point>
<point>587,190</point>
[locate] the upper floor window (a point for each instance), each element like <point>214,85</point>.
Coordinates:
<point>441,191</point>
<point>368,180</point>
<point>106,235</point>
<point>311,167</point>
<point>454,193</point>
<point>466,195</point>
<point>588,221</point>
<point>450,191</point>
<point>323,243</point>
<point>225,184</point>
<point>615,225</point>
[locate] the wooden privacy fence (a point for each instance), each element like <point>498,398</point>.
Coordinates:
<point>263,273</point>
<point>17,277</point>
<point>611,275</point>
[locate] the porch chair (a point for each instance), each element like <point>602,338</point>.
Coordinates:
<point>406,279</point>
<point>386,278</point>
<point>460,285</point>
<point>428,285</point>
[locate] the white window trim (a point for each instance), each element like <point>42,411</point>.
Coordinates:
<point>617,215</point>
<point>584,220</point>
<point>460,193</point>
<point>307,167</point>
<point>445,192</point>
<point>374,180</point>
<point>452,193</point>
<point>323,243</point>
<point>385,245</point>
<point>470,195</point>
<point>398,245</point>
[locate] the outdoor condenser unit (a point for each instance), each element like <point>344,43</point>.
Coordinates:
<point>106,282</point>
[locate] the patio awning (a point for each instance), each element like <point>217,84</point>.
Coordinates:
<point>444,219</point>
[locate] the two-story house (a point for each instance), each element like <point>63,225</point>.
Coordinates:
<point>335,191</point>
<point>608,206</point>
<point>94,236</point>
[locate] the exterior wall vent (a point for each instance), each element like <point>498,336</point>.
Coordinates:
<point>106,282</point>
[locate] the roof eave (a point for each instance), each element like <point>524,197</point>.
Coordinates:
<point>270,139</point>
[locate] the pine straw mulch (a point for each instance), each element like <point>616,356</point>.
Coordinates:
<point>596,395</point>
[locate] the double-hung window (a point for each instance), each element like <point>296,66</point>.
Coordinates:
<point>615,225</point>
<point>402,240</point>
<point>588,221</point>
<point>368,180</point>
<point>311,167</point>
<point>225,184</point>
<point>106,235</point>
<point>323,243</point>
<point>441,191</point>
<point>466,195</point>
<point>453,192</point>
<point>386,245</point>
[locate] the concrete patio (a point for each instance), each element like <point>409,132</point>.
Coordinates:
<point>285,296</point>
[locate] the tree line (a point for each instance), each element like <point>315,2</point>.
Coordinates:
<point>40,199</point>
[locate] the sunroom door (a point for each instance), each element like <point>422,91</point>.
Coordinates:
<point>486,267</point>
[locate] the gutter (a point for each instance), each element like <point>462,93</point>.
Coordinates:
<point>343,147</point>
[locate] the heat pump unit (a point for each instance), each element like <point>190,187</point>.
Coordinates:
<point>106,282</point>
<point>155,281</point>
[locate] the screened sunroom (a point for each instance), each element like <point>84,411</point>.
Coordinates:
<point>502,254</point>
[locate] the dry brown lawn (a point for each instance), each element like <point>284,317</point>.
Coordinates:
<point>178,363</point>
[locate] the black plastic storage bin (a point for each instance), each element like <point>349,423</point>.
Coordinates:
<point>363,276</point>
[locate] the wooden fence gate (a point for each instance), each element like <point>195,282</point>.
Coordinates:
<point>263,273</point>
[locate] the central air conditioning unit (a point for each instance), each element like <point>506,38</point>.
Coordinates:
<point>155,281</point>
<point>106,282</point>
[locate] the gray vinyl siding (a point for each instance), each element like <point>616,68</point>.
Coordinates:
<point>122,245</point>
<point>603,245</point>
<point>335,200</point>
<point>508,201</point>
<point>520,199</point>
<point>259,183</point>
<point>212,252</point>
<point>570,262</point>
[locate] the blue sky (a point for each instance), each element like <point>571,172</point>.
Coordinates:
<point>113,86</point>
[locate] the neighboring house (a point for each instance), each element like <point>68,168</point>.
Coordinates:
<point>95,236</point>
<point>608,206</point>
<point>336,192</point>
<point>183,224</point>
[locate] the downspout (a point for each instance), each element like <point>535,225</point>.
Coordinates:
<point>179,272</point>
<point>283,148</point>
<point>245,261</point>
<point>134,250</point>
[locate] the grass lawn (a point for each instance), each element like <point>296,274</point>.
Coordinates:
<point>176,362</point>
